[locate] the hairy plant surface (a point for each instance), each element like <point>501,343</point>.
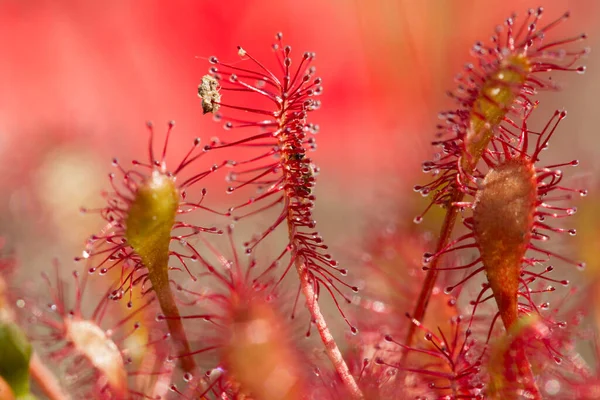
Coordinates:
<point>178,297</point>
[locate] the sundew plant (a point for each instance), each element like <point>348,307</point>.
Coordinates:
<point>178,296</point>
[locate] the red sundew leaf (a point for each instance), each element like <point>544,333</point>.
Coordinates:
<point>260,356</point>
<point>238,321</point>
<point>111,347</point>
<point>503,215</point>
<point>509,212</point>
<point>275,104</point>
<point>519,215</point>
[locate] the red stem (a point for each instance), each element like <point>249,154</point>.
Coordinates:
<point>312,303</point>
<point>432,273</point>
<point>45,379</point>
<point>524,368</point>
<point>160,284</point>
<point>333,352</point>
<point>307,283</point>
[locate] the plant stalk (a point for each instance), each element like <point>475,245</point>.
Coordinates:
<point>160,283</point>
<point>524,368</point>
<point>432,273</point>
<point>45,379</point>
<point>312,303</point>
<point>333,352</point>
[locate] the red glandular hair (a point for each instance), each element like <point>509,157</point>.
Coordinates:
<point>279,104</point>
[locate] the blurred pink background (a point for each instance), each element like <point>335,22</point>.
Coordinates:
<point>78,79</point>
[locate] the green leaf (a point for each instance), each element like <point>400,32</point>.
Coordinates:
<point>15,352</point>
<point>26,396</point>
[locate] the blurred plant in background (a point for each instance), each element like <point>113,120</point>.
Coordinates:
<point>205,275</point>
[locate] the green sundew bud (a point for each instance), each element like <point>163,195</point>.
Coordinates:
<point>150,220</point>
